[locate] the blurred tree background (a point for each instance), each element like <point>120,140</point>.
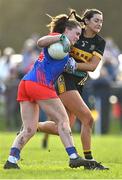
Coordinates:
<point>21,18</point>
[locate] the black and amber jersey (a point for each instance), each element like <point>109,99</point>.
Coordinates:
<point>86,48</point>
<point>82,51</point>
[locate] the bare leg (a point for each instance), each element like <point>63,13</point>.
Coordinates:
<point>75,104</point>
<point>48,127</point>
<point>57,112</point>
<point>70,99</point>
<point>30,116</point>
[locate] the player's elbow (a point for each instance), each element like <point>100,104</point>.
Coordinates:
<point>40,43</point>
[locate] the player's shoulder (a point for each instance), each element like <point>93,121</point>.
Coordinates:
<point>100,39</point>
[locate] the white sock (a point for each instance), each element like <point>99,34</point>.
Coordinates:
<point>90,159</point>
<point>12,159</point>
<point>73,156</point>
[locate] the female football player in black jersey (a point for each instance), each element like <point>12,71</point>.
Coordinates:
<point>87,53</point>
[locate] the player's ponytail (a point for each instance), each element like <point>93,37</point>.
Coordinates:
<point>79,19</point>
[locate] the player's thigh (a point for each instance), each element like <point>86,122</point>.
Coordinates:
<point>74,103</point>
<point>54,108</point>
<point>29,114</point>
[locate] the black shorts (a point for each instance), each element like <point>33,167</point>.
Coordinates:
<point>67,82</point>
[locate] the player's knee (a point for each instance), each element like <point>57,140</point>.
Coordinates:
<point>91,122</point>
<point>88,121</point>
<point>29,132</point>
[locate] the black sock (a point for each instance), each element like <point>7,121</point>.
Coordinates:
<point>88,154</point>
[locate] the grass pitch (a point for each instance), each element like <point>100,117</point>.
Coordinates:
<point>52,163</point>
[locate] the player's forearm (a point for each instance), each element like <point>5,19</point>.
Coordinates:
<point>48,40</point>
<point>86,66</point>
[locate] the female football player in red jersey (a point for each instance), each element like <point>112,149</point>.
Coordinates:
<point>36,90</point>
<point>87,53</point>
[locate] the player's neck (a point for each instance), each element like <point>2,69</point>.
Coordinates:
<point>89,34</point>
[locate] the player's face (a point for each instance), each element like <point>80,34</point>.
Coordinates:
<point>74,34</point>
<point>95,23</point>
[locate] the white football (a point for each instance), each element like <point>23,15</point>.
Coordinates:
<point>56,51</point>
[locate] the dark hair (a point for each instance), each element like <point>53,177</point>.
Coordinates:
<point>60,22</point>
<point>88,14</point>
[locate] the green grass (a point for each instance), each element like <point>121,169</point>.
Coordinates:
<point>52,163</point>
